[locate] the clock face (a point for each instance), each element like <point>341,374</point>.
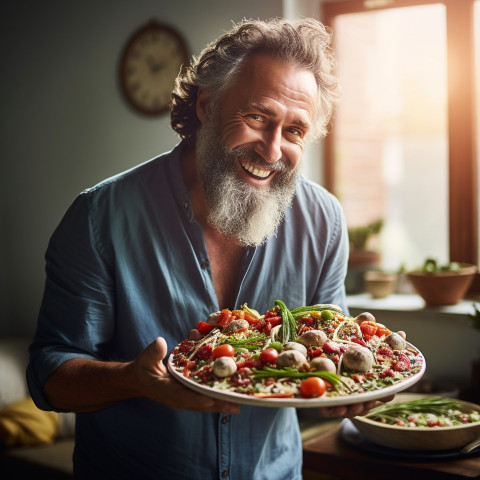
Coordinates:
<point>150,62</point>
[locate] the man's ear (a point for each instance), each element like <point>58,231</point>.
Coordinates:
<point>203,99</point>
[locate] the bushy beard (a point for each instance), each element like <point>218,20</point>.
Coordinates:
<point>237,209</point>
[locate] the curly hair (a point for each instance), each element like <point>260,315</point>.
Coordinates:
<point>305,43</point>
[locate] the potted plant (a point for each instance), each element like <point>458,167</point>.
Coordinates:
<point>362,258</point>
<point>442,284</point>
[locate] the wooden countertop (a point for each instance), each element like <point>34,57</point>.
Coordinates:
<point>327,455</point>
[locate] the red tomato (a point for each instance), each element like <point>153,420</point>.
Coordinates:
<point>368,329</point>
<point>204,327</point>
<point>382,330</point>
<point>274,321</point>
<point>312,387</point>
<point>225,317</point>
<point>251,320</point>
<point>269,355</point>
<point>224,350</point>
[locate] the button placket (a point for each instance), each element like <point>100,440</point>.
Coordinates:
<point>224,445</point>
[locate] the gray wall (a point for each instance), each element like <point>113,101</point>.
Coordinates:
<point>64,125</point>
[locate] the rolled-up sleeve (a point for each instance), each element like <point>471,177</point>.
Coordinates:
<point>76,317</point>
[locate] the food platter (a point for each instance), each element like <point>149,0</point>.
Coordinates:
<point>296,402</point>
<point>312,356</point>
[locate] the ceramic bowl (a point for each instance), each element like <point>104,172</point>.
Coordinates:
<point>379,284</point>
<point>419,438</point>
<point>443,288</point>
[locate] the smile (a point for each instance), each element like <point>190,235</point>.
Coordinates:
<point>255,171</point>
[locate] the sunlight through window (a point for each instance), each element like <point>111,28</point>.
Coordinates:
<point>390,139</point>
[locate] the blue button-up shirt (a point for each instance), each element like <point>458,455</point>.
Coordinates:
<point>128,263</point>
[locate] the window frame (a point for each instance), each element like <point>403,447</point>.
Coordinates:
<point>462,142</point>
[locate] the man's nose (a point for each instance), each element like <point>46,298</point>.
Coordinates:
<point>270,145</point>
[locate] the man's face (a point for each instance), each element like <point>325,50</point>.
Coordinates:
<point>249,148</point>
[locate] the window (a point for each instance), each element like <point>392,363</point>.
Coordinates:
<point>402,146</point>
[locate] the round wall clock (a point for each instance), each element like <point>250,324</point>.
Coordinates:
<point>149,64</point>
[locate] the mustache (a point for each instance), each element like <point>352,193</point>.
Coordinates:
<point>255,158</point>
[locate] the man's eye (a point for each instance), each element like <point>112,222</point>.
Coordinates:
<point>295,131</point>
<point>256,117</point>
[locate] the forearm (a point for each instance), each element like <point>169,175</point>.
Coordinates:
<point>84,385</point>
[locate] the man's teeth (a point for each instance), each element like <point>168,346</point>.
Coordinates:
<point>255,171</point>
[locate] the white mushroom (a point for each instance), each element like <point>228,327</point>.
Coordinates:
<point>291,358</point>
<point>396,341</point>
<point>313,338</point>
<point>212,318</point>
<point>296,346</point>
<point>195,335</point>
<point>323,364</point>
<point>402,334</point>
<point>224,367</point>
<point>235,325</point>
<point>358,359</point>
<point>364,317</point>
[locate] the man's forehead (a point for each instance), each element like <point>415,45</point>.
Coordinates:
<point>264,81</point>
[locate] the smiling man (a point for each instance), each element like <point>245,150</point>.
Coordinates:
<point>223,219</point>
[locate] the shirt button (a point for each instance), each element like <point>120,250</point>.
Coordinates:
<point>205,264</point>
<point>224,474</point>
<point>225,420</point>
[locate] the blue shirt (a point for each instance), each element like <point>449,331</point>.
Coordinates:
<point>128,263</point>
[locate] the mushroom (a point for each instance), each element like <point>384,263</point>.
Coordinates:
<point>235,325</point>
<point>291,358</point>
<point>358,359</point>
<point>364,317</point>
<point>195,335</point>
<point>296,346</point>
<point>323,364</point>
<point>402,334</point>
<point>213,317</point>
<point>224,367</point>
<point>396,341</point>
<point>313,338</point>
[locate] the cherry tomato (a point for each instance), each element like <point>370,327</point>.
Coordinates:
<point>251,320</point>
<point>224,350</point>
<point>368,329</point>
<point>274,321</point>
<point>204,327</point>
<point>225,317</point>
<point>269,355</point>
<point>312,387</point>
<point>382,330</point>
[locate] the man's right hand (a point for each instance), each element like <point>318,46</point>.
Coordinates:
<point>157,383</point>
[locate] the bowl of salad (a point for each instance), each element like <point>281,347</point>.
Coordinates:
<point>420,422</point>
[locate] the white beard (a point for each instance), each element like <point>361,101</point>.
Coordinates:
<point>237,209</point>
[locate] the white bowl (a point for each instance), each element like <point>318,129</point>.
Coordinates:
<point>419,438</point>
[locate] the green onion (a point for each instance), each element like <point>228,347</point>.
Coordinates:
<point>391,411</point>
<point>250,343</point>
<point>302,311</point>
<point>289,326</point>
<point>267,372</point>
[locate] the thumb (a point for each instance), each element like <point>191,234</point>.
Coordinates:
<point>156,352</point>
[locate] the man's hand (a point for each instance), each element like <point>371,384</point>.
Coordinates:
<point>356,409</point>
<point>155,382</point>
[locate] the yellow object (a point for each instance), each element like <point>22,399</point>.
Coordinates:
<point>22,423</point>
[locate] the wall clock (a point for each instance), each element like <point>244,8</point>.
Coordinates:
<point>149,64</point>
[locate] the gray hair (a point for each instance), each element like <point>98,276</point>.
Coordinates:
<point>305,43</point>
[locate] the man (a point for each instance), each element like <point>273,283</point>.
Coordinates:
<point>223,219</point>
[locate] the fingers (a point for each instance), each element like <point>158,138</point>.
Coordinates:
<point>176,396</point>
<point>354,410</point>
